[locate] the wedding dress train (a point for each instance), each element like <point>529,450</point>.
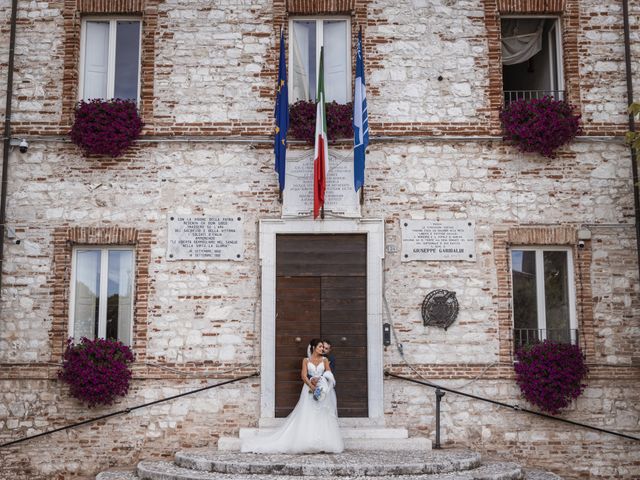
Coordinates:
<point>312,426</point>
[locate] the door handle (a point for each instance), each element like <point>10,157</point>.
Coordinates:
<point>343,339</point>
<point>298,339</point>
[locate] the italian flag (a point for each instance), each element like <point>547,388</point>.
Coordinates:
<point>321,154</point>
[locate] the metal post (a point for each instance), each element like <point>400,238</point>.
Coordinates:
<point>439,395</point>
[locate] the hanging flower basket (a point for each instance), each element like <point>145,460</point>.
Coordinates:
<point>106,127</point>
<point>540,125</point>
<point>97,371</point>
<point>550,374</point>
<point>302,120</point>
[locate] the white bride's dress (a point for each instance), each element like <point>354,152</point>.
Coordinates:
<point>312,427</point>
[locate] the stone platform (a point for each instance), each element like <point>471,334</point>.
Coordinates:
<point>446,464</point>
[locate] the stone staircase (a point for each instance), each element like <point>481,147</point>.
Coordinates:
<point>357,435</point>
<point>371,451</point>
<point>447,464</point>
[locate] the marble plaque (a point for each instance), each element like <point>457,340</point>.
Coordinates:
<point>438,240</point>
<point>341,200</point>
<point>205,237</point>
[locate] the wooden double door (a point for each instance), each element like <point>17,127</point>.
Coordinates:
<point>321,292</point>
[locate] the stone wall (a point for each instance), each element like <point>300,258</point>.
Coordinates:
<point>208,72</point>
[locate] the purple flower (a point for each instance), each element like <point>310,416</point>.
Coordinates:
<point>97,371</point>
<point>105,127</point>
<point>540,125</point>
<point>550,374</point>
<point>302,120</point>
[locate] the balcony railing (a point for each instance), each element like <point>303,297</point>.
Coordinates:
<point>531,336</point>
<point>513,95</point>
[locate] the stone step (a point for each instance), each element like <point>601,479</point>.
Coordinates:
<point>342,421</point>
<point>359,463</point>
<point>347,432</point>
<point>149,470</point>
<point>117,475</point>
<point>232,444</point>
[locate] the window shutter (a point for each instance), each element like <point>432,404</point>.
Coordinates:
<point>303,49</point>
<point>336,61</point>
<point>96,60</point>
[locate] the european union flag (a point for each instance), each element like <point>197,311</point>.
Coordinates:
<point>360,120</point>
<point>282,117</point>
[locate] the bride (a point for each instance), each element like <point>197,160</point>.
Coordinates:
<point>312,426</point>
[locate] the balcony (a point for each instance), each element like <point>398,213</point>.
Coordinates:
<point>513,95</point>
<point>530,336</point>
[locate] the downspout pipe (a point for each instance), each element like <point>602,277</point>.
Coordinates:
<point>6,139</point>
<point>632,124</point>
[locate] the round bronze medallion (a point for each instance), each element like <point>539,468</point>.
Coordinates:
<point>439,308</point>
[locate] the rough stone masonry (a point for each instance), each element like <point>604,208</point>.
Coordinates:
<point>434,80</point>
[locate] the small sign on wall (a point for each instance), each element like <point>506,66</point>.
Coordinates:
<point>205,238</point>
<point>438,240</point>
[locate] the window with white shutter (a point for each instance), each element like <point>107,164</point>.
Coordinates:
<point>307,36</point>
<point>102,288</point>
<point>110,59</point>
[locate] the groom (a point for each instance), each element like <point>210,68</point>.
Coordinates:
<point>327,354</point>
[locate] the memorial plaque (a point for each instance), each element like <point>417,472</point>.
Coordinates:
<point>340,197</point>
<point>205,238</point>
<point>438,240</point>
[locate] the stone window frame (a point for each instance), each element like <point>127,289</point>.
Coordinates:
<point>73,13</point>
<point>64,240</point>
<point>558,236</point>
<point>568,14</point>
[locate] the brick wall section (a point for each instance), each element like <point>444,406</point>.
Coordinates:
<point>439,108</point>
<point>72,13</point>
<point>540,236</point>
<point>64,239</point>
<point>531,6</point>
<point>315,7</point>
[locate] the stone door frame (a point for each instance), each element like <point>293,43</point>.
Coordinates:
<point>374,229</point>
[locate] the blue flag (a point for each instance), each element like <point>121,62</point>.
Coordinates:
<point>360,120</point>
<point>282,117</point>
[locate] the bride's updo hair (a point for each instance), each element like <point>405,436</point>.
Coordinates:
<point>312,346</point>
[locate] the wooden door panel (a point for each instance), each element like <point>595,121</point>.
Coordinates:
<point>297,316</point>
<point>321,291</point>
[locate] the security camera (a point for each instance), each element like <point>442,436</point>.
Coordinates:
<point>580,244</point>
<point>24,146</point>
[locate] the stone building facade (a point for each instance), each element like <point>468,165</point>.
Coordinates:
<point>206,92</point>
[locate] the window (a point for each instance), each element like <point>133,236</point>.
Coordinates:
<point>306,37</point>
<point>531,58</point>
<point>543,295</point>
<point>110,59</point>
<point>102,293</point>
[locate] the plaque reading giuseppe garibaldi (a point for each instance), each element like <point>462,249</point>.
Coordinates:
<point>205,237</point>
<point>438,240</point>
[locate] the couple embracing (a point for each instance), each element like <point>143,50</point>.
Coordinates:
<point>312,426</point>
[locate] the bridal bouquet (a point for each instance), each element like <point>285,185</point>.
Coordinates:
<point>319,393</point>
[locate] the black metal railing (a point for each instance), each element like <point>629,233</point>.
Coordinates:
<point>523,337</point>
<point>440,393</point>
<point>128,410</point>
<point>513,95</point>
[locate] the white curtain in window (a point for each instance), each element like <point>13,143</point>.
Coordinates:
<point>96,60</point>
<point>87,294</point>
<point>303,49</point>
<point>521,39</point>
<point>336,57</point>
